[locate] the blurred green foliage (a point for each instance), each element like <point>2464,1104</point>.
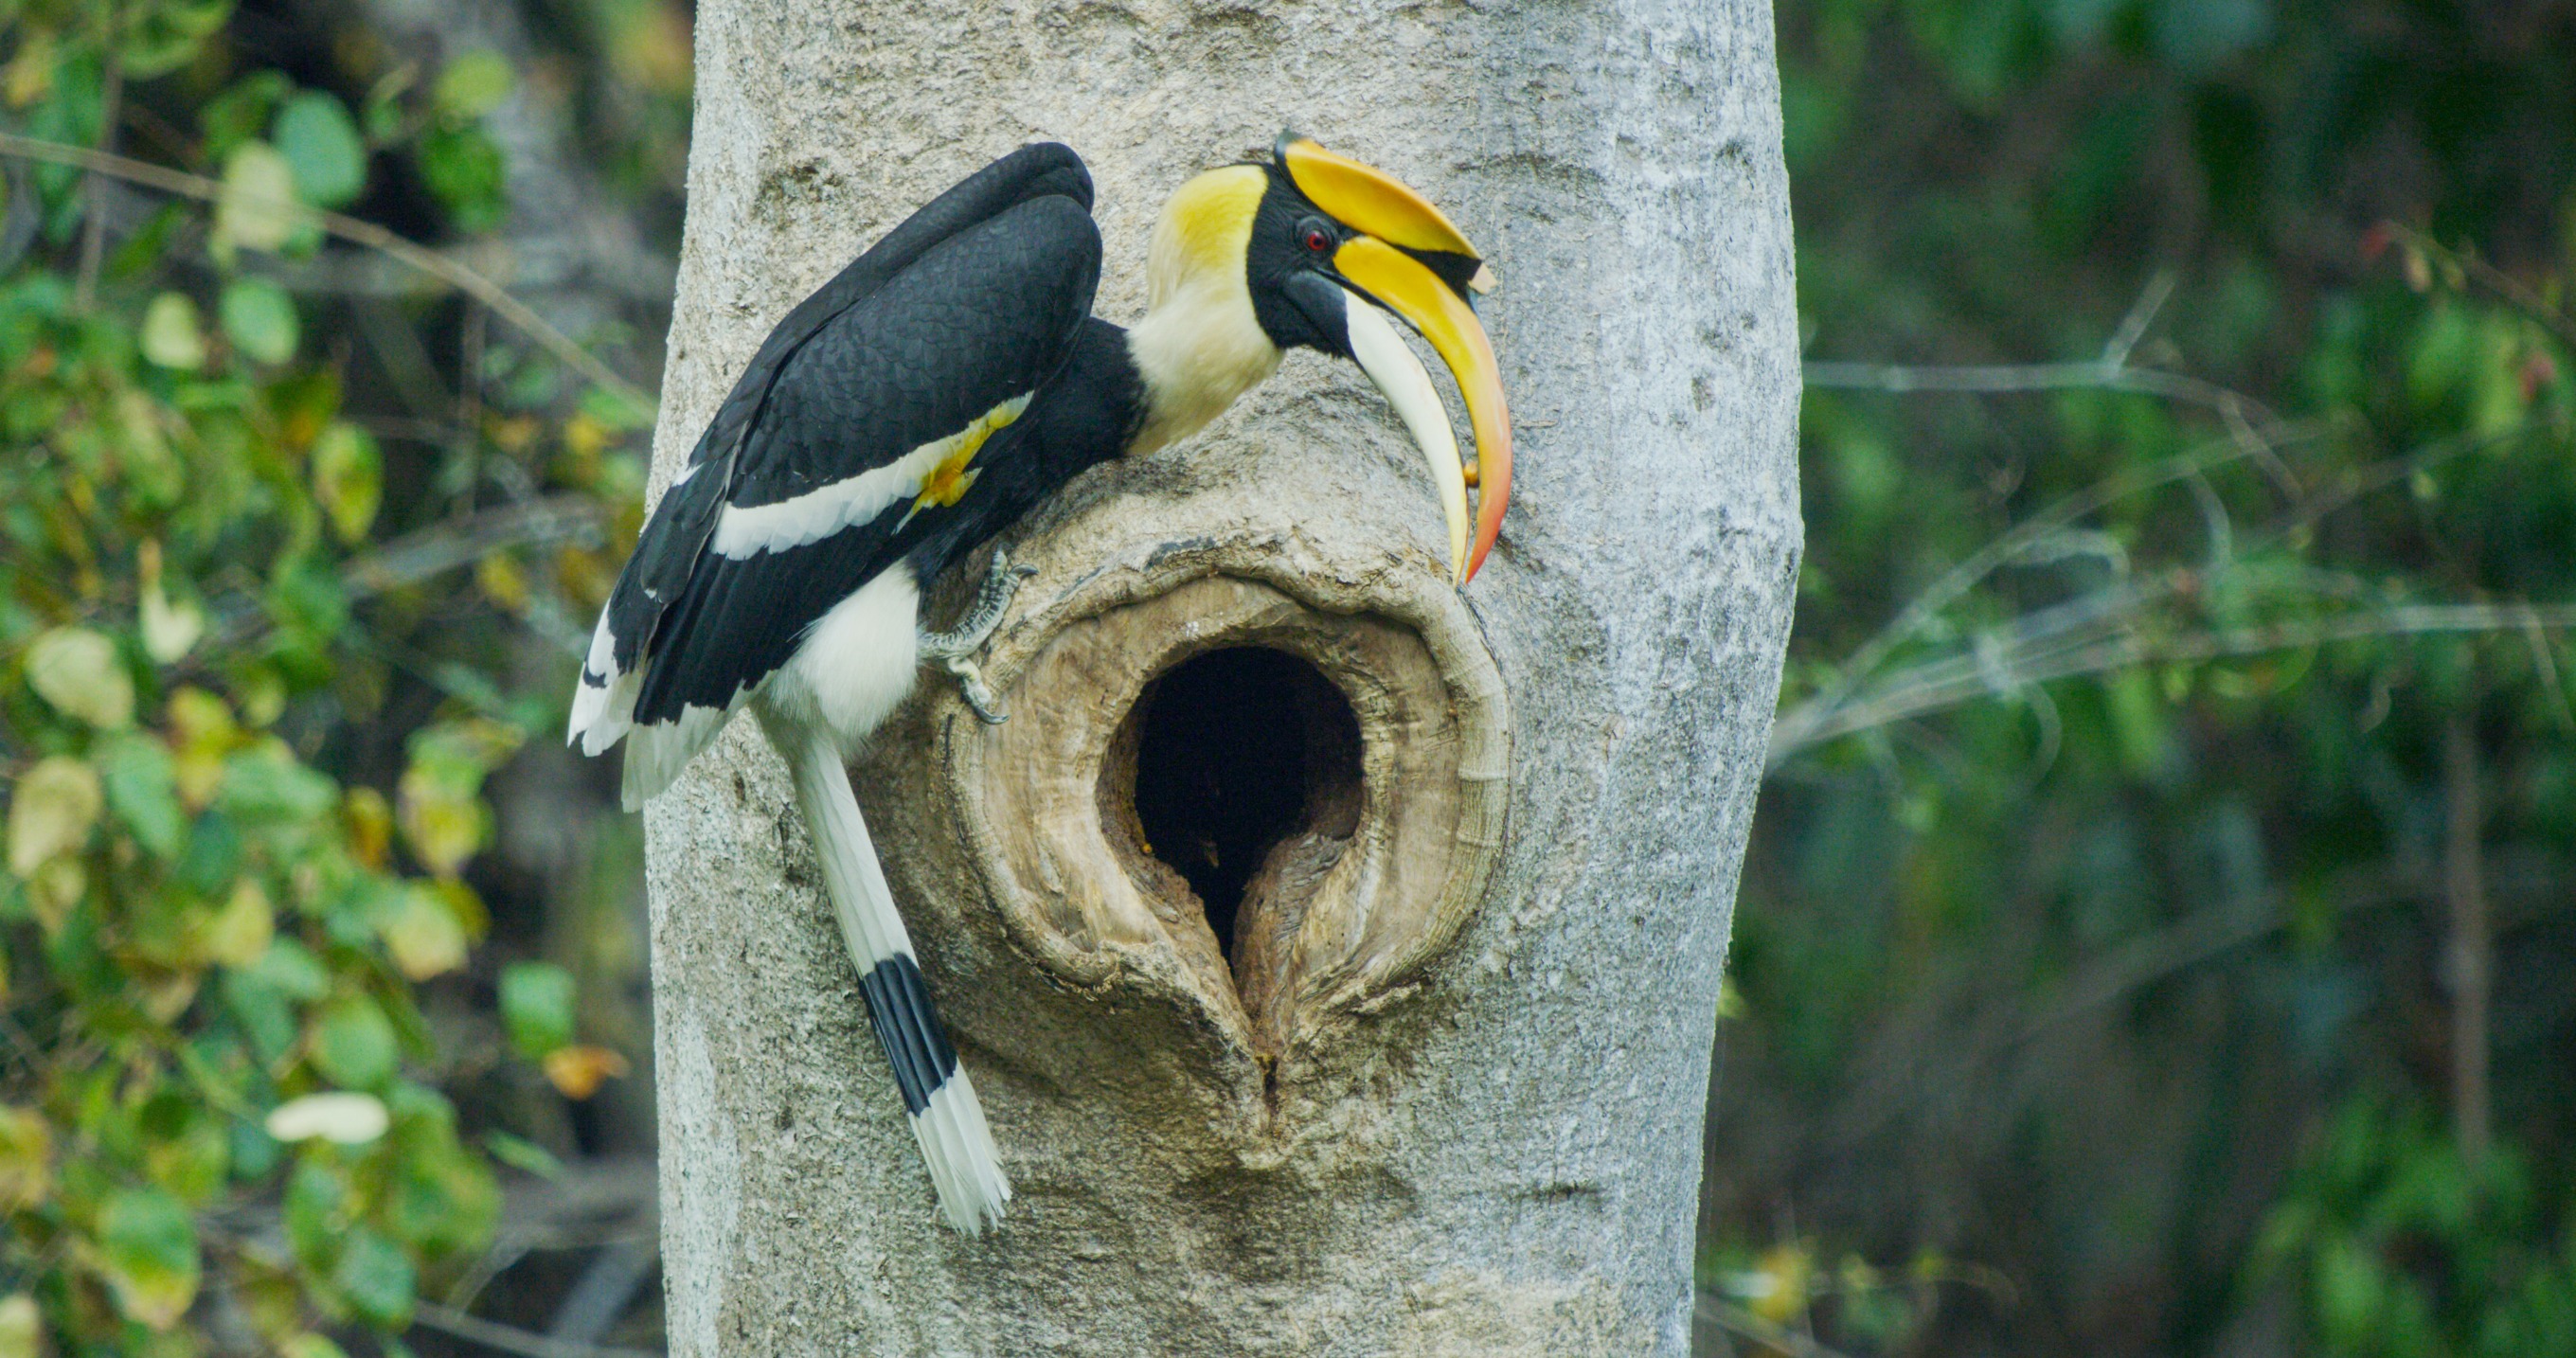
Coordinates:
<point>2187,459</point>
<point>222,1121</point>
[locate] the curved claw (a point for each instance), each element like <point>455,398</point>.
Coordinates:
<point>978,694</point>
<point>954,649</point>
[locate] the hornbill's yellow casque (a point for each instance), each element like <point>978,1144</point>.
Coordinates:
<point>939,388</point>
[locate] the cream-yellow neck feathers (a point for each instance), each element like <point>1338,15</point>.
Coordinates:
<point>1199,345</point>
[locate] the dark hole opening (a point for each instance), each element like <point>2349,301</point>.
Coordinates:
<point>1236,751</point>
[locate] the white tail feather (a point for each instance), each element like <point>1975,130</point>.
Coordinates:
<point>965,1167</point>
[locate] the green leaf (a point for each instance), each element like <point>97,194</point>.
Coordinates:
<point>78,671</point>
<point>189,1147</point>
<point>162,37</point>
<point>472,85</point>
<point>143,791</point>
<point>293,970</point>
<point>171,337</point>
<point>537,1007</point>
<point>353,1043</point>
<point>147,1251</point>
<point>321,144</point>
<point>376,1276</point>
<point>266,784</point>
<point>259,318</point>
<point>239,112</point>
<point>316,1193</point>
<point>523,1155</point>
<point>462,167</point>
<point>348,478</point>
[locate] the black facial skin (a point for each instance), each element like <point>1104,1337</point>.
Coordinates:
<point>1287,267</point>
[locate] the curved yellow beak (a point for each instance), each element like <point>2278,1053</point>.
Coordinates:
<point>1412,260</point>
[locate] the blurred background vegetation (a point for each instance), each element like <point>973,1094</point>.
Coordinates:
<point>2156,940</point>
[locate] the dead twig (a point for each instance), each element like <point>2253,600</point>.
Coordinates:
<point>1709,1309</point>
<point>492,1334</point>
<point>483,290</point>
<point>415,557</point>
<point>1909,693</point>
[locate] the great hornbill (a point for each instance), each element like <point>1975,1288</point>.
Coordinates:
<point>940,387</point>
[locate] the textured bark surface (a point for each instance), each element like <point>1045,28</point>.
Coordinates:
<point>1454,1104</point>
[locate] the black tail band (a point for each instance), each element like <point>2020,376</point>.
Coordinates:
<point>908,1028</point>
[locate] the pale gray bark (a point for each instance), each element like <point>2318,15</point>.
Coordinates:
<point>1464,1116</point>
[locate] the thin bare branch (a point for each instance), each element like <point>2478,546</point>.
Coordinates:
<point>2006,378</point>
<point>2013,545</point>
<point>511,1339</point>
<point>1940,685</point>
<point>368,234</point>
<point>2493,279</point>
<point>1711,1309</point>
<point>111,102</point>
<point>2547,664</point>
<point>432,551</point>
<point>2036,646</point>
<point>2142,313</point>
<point>415,557</point>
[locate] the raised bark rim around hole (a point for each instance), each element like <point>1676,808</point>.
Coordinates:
<point>1404,650</point>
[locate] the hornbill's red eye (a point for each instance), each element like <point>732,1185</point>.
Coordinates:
<point>1318,240</point>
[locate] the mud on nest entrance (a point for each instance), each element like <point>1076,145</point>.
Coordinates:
<point>1219,792</point>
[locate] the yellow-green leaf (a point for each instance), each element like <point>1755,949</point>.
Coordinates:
<point>1782,1280</point>
<point>51,811</point>
<point>204,732</point>
<point>170,630</point>
<point>22,1327</point>
<point>147,1251</point>
<point>239,933</point>
<point>472,85</point>
<point>26,1159</point>
<point>423,935</point>
<point>257,208</point>
<point>77,670</point>
<point>348,478</point>
<point>171,335</point>
<point>55,889</point>
<point>369,823</point>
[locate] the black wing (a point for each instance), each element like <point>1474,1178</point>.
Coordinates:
<point>667,551</point>
<point>932,335</point>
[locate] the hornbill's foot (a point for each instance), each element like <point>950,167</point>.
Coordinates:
<point>955,649</point>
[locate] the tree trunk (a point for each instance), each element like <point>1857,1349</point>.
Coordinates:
<point>1337,955</point>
